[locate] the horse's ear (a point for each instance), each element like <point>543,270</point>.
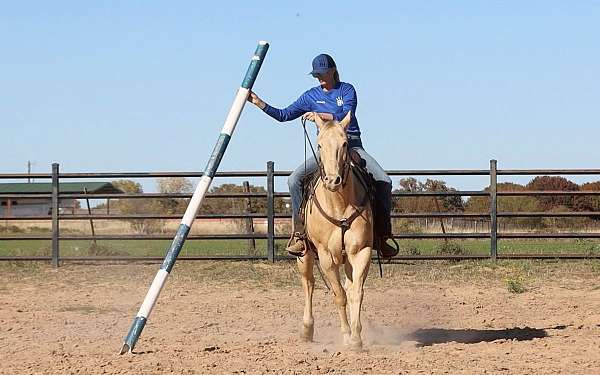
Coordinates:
<point>319,121</point>
<point>346,120</point>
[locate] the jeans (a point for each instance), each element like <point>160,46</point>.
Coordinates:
<point>383,186</point>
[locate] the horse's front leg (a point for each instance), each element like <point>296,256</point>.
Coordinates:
<point>348,282</point>
<point>305,265</point>
<point>360,268</point>
<point>332,274</point>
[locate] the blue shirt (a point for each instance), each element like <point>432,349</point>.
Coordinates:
<point>337,101</point>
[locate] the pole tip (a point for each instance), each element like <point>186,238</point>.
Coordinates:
<point>262,42</point>
<point>124,349</point>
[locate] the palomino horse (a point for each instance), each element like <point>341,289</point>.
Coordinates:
<point>339,224</point>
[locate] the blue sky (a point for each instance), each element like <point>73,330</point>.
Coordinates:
<point>145,86</point>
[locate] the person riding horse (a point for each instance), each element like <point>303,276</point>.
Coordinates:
<point>332,100</point>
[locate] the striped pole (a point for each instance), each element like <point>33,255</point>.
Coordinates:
<point>192,210</point>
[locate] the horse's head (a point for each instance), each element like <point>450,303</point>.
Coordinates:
<point>333,146</point>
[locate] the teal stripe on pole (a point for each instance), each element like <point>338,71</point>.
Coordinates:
<point>217,155</point>
<point>192,210</point>
<point>255,64</point>
<point>175,248</point>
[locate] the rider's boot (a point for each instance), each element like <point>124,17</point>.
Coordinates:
<point>383,226</point>
<point>296,246</point>
<point>384,248</point>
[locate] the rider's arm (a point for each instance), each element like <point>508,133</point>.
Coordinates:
<point>310,116</point>
<point>350,102</point>
<point>292,112</point>
<point>325,116</point>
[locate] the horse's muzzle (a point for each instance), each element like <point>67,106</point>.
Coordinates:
<point>332,182</point>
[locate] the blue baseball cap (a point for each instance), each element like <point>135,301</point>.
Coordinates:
<point>322,63</point>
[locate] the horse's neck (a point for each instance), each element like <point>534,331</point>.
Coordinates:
<point>337,202</point>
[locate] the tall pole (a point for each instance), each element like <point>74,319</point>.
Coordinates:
<point>192,210</point>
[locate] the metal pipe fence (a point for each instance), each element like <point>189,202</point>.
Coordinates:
<point>270,214</point>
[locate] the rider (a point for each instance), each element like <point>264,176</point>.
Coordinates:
<point>332,100</point>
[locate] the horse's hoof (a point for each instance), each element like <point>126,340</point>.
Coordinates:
<point>346,340</point>
<point>355,346</point>
<point>308,333</point>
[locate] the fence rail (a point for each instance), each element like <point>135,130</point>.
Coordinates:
<point>270,215</point>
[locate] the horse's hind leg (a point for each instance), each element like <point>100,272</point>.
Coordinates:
<point>331,272</point>
<point>360,268</point>
<point>305,265</point>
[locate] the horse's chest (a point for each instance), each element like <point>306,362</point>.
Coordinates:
<point>329,237</point>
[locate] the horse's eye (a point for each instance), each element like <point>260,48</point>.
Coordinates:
<point>318,145</point>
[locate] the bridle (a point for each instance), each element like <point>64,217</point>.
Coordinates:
<point>346,162</point>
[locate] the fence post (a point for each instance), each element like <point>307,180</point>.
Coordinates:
<point>55,231</point>
<point>249,221</point>
<point>493,210</point>
<point>270,211</point>
<point>89,209</point>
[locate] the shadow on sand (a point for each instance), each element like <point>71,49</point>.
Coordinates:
<point>431,336</point>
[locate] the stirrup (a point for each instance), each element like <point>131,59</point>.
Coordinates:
<point>298,247</point>
<point>387,251</point>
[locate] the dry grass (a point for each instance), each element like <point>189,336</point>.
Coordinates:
<point>285,273</point>
<point>121,227</point>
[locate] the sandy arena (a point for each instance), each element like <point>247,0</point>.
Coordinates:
<point>244,318</point>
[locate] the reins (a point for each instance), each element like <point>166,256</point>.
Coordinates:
<point>307,137</point>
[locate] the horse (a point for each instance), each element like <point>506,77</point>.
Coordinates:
<point>339,231</point>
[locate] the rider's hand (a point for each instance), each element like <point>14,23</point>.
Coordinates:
<point>310,116</point>
<point>254,99</point>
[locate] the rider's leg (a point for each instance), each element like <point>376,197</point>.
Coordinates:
<point>295,183</point>
<point>383,200</point>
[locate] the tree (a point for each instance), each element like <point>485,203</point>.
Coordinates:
<point>508,204</point>
<point>173,185</point>
<point>176,185</point>
<point>134,206</point>
<point>553,183</point>
<point>237,205</point>
<point>482,204</point>
<point>409,184</point>
<point>128,186</point>
<point>450,203</point>
<point>590,203</point>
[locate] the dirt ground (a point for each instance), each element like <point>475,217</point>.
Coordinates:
<point>244,318</point>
